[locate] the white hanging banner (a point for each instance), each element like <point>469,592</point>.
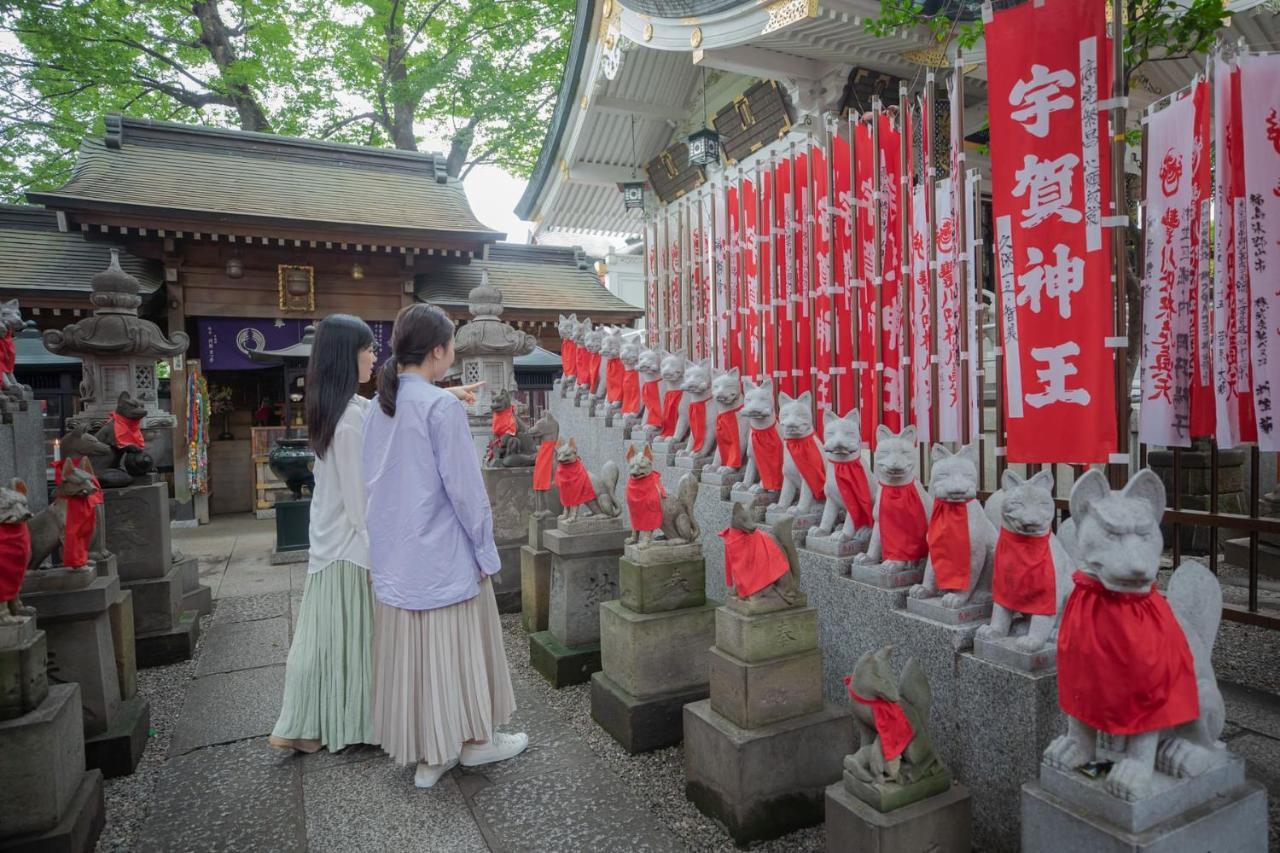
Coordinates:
<point>1260,90</point>
<point>1164,416</point>
<point>973,295</point>
<point>921,323</point>
<point>721,278</point>
<point>948,318</point>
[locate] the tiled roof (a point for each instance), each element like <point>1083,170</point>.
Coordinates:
<point>35,256</point>
<point>553,279</point>
<point>144,165</point>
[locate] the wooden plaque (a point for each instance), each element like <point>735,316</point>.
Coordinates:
<point>672,175</point>
<point>752,120</point>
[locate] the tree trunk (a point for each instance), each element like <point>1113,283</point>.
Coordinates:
<point>460,147</point>
<point>216,38</point>
<point>403,106</point>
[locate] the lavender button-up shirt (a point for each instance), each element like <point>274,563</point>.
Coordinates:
<point>429,521</point>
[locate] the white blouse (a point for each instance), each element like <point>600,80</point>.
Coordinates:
<point>337,507</point>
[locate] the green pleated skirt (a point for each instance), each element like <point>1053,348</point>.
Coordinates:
<point>330,667</point>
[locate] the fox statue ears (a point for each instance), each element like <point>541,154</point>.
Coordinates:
<point>785,399</point>
<point>830,418</point>
<point>1143,486</point>
<point>940,451</point>
<point>732,373</point>
<point>705,364</point>
<point>1042,478</point>
<point>908,434</point>
<point>567,442</point>
<point>647,452</point>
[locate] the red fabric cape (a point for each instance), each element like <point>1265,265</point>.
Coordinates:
<point>902,523</point>
<point>855,490</point>
<point>1024,579</point>
<point>807,455</point>
<point>613,371</point>
<point>766,449</point>
<point>593,370</point>
<point>569,358</point>
<point>128,431</point>
<point>67,462</point>
<point>651,393</point>
<point>644,501</point>
<point>891,722</point>
<point>15,552</point>
<point>697,423</point>
<point>543,466</point>
<point>630,392</point>
<point>671,411</point>
<point>504,422</point>
<point>582,360</point>
<point>81,519</point>
<point>752,560</point>
<point>574,484</point>
<point>727,438</point>
<point>8,353</point>
<point>1124,666</point>
<point>949,544</point>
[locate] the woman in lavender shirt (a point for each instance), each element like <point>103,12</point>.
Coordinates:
<point>440,681</point>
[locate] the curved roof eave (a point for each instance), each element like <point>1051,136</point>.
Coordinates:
<point>566,102</point>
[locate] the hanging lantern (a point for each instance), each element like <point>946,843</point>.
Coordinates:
<point>704,147</point>
<point>235,268</point>
<point>633,195</point>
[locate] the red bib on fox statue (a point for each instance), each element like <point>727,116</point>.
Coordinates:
<point>613,373</point>
<point>593,371</point>
<point>569,358</point>
<point>752,560</point>
<point>504,422</point>
<point>582,358</point>
<point>82,517</point>
<point>890,720</point>
<point>644,501</point>
<point>574,484</point>
<point>630,392</point>
<point>948,539</point>
<point>766,450</point>
<point>697,424</point>
<point>544,466</point>
<point>855,490</point>
<point>727,438</point>
<point>671,412</point>
<point>8,353</point>
<point>651,393</point>
<point>128,431</point>
<point>903,527</point>
<point>1124,666</point>
<point>807,455</point>
<point>1024,578</point>
<point>15,553</point>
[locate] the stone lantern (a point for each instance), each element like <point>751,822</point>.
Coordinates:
<point>486,349</point>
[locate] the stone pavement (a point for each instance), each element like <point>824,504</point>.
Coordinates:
<point>209,782</point>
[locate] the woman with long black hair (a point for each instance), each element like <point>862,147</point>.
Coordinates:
<point>329,671</point>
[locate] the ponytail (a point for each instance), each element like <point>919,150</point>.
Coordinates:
<point>388,387</point>
<point>419,329</point>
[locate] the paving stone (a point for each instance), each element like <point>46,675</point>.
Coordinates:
<point>229,706</point>
<point>373,806</point>
<point>249,608</point>
<point>552,744</point>
<point>244,645</point>
<point>239,796</point>
<point>577,809</point>
<point>318,762</point>
<point>1251,709</point>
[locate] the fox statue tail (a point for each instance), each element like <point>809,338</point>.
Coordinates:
<point>609,482</point>
<point>687,494</point>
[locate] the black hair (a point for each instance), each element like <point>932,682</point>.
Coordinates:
<point>333,375</point>
<point>419,329</point>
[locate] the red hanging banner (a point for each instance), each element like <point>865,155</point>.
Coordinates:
<point>733,289</point>
<point>651,283</point>
<point>802,297</point>
<point>865,359</point>
<point>751,278</point>
<point>764,263</point>
<point>842,363</point>
<point>784,270</point>
<point>1202,403</point>
<point>1049,66</point>
<point>891,271</point>
<point>946,238</point>
<point>822,295</point>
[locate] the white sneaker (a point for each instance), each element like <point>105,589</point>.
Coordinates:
<point>501,747</point>
<point>429,774</point>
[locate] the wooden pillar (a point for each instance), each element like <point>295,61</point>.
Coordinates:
<point>177,315</point>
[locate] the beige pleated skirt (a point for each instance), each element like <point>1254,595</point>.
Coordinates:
<point>440,678</point>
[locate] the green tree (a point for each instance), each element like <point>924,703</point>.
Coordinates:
<point>480,74</point>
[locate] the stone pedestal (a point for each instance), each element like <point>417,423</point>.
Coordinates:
<point>137,522</point>
<point>584,574</point>
<point>880,575</point>
<point>1005,652</point>
<point>760,753</point>
<point>654,643</point>
<point>803,520</point>
<point>938,824</point>
<point>833,545</point>
<point>24,678</point>
<point>293,526</point>
<point>51,802</point>
<point>664,451</point>
<point>511,495</point>
<point>82,644</point>
<point>964,620</point>
<point>1219,810</point>
<point>21,431</point>
<point>722,482</point>
<point>535,575</point>
<point>696,464</point>
<point>754,502</point>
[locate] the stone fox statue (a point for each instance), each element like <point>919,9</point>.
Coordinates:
<point>578,487</point>
<point>1130,663</point>
<point>892,716</point>
<point>650,507</point>
<point>961,538</point>
<point>512,445</point>
<point>11,323</point>
<point>49,526</point>
<point>122,434</point>
<point>15,550</point>
<point>902,506</point>
<point>762,567</point>
<point>850,489</point>
<point>545,432</point>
